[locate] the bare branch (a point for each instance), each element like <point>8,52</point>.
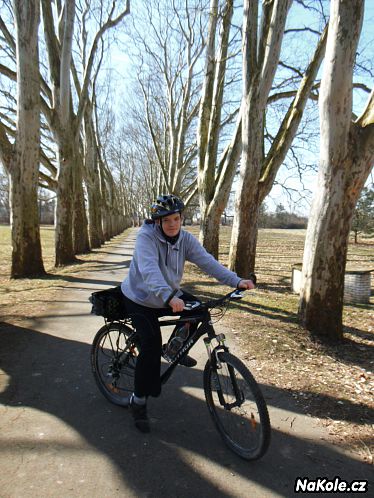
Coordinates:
<point>110,23</point>
<point>301,30</point>
<point>7,35</point>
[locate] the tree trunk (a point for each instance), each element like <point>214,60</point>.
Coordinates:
<point>64,246</point>
<point>346,158</point>
<point>93,183</point>
<point>206,172</point>
<point>80,223</point>
<point>209,231</point>
<point>242,254</point>
<point>63,126</point>
<point>26,247</point>
<point>325,253</point>
<point>223,183</point>
<point>105,206</point>
<point>214,180</point>
<point>94,213</point>
<point>245,225</point>
<point>24,170</point>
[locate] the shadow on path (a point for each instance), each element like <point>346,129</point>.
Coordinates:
<point>52,375</point>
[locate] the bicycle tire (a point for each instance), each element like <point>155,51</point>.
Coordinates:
<point>113,360</point>
<point>243,422</point>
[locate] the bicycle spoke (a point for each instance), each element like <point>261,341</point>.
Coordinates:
<point>237,407</point>
<point>113,361</point>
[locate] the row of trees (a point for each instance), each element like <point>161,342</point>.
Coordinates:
<point>280,218</point>
<point>55,139</point>
<point>218,92</point>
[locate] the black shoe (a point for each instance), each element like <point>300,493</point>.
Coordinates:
<point>139,413</point>
<point>188,361</point>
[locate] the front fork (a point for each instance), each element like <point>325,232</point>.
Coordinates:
<point>215,361</point>
<point>213,353</point>
<point>217,365</point>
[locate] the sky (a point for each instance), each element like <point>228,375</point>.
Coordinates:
<point>298,197</point>
<point>365,49</point>
<point>119,63</point>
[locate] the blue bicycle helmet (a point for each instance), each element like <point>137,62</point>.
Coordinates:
<point>165,205</point>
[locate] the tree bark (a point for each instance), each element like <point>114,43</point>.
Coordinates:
<point>346,159</point>
<point>245,225</point>
<point>209,232</point>
<point>64,246</point>
<point>80,222</point>
<point>24,166</point>
<point>93,190</point>
<point>105,213</point>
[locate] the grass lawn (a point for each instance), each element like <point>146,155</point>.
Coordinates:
<point>25,298</point>
<point>332,383</point>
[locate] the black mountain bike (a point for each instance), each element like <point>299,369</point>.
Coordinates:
<point>234,399</point>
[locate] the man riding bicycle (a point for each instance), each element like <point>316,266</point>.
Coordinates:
<point>152,289</point>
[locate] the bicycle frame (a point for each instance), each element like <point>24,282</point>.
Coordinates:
<point>202,317</point>
<point>205,327</point>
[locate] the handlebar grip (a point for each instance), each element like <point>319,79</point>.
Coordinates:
<point>252,276</point>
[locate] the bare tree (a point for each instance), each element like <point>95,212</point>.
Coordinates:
<point>215,179</point>
<point>64,122</point>
<point>257,170</point>
<point>169,81</point>
<point>346,159</point>
<point>21,159</point>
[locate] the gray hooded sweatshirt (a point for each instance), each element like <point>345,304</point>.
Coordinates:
<point>157,266</point>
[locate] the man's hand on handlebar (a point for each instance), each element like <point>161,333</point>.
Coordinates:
<point>176,304</point>
<point>246,284</point>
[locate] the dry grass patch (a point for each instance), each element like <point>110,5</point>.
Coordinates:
<point>26,298</point>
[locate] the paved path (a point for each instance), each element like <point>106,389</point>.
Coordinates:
<point>60,438</point>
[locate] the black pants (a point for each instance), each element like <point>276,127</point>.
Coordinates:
<point>148,364</point>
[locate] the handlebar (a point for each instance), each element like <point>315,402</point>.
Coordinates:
<point>232,295</point>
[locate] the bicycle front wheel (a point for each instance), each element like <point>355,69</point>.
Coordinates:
<point>237,406</point>
<point>113,359</point>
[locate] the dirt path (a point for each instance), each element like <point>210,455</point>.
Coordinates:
<point>61,438</point>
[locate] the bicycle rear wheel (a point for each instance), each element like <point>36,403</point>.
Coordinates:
<point>113,360</point>
<point>237,406</point>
